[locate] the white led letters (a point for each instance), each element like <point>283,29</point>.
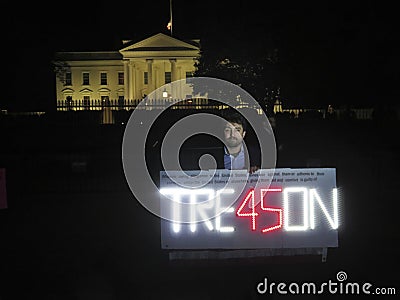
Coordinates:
<point>198,208</point>
<point>231,209</point>
<point>298,206</point>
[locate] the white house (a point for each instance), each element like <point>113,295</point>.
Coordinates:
<point>90,80</point>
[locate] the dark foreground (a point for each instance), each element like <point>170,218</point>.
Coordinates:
<point>73,229</point>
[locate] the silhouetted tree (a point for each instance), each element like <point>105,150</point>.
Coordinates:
<point>257,74</point>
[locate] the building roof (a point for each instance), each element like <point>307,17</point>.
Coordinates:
<point>78,56</point>
<point>155,44</point>
<point>160,49</point>
<point>161,40</point>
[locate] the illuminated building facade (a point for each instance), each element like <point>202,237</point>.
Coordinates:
<point>116,79</point>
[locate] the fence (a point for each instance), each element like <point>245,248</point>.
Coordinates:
<point>108,106</point>
<point>130,104</point>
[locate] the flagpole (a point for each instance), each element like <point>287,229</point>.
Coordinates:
<point>170,13</point>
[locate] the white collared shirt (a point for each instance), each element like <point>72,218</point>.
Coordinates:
<point>237,162</point>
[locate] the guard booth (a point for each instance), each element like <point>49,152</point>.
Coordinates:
<point>232,215</point>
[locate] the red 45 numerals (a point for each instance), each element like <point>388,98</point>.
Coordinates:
<point>248,209</point>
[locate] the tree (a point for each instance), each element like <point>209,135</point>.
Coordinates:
<point>257,73</point>
<point>60,68</point>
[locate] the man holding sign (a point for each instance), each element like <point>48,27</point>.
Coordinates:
<point>236,152</point>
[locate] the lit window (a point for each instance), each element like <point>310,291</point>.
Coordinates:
<point>121,102</point>
<point>105,101</point>
<point>86,102</point>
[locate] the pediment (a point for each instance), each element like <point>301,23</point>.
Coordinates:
<point>160,42</point>
<point>86,90</point>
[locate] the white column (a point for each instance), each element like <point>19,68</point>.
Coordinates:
<point>126,80</point>
<point>180,85</point>
<point>155,78</point>
<point>138,82</point>
<point>150,85</point>
<point>174,76</point>
<point>173,70</point>
<point>131,80</point>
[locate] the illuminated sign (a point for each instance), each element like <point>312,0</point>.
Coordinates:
<point>283,208</point>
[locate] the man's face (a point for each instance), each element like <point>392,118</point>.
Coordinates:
<point>233,134</point>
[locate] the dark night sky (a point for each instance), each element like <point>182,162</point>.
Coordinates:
<point>339,51</point>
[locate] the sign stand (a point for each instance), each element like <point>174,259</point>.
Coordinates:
<point>324,254</point>
<point>227,254</point>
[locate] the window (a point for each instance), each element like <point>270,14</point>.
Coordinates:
<point>68,78</point>
<point>105,101</point>
<point>167,77</point>
<point>121,102</point>
<point>146,78</point>
<point>121,78</point>
<point>188,76</point>
<point>103,78</point>
<point>86,102</point>
<point>69,102</point>
<point>85,79</point>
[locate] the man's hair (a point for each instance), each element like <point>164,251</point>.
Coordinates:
<point>235,117</point>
